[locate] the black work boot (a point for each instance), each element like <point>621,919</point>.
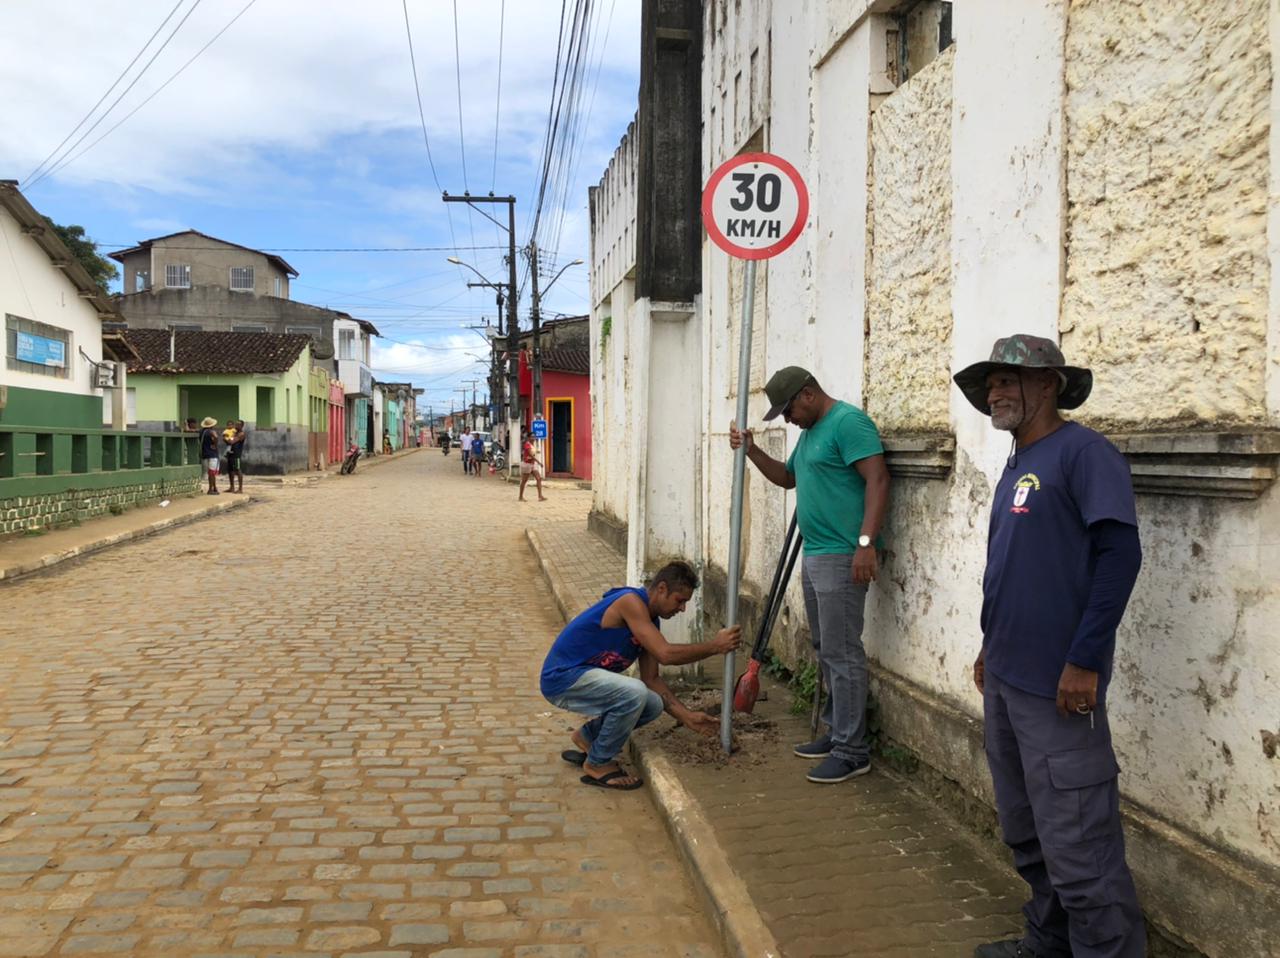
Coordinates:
<point>1010,948</point>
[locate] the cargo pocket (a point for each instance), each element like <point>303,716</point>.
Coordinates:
<point>1093,926</point>
<point>1086,795</point>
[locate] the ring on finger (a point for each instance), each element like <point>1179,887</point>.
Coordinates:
<point>1082,707</point>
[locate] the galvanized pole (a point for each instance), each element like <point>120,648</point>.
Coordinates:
<point>735,507</point>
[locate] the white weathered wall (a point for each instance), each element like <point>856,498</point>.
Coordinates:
<point>32,288</point>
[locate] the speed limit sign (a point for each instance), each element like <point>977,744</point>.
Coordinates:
<point>755,205</point>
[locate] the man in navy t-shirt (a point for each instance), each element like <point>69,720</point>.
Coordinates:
<point>583,671</point>
<point>1062,558</point>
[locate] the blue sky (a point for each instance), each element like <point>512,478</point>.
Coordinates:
<point>298,127</point>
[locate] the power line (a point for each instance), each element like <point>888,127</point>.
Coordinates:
<point>116,82</point>
<point>230,23</point>
<point>327,249</point>
<point>125,92</point>
<point>497,110</point>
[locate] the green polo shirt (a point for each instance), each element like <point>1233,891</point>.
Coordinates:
<point>830,494</point>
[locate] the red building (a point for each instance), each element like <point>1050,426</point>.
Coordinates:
<point>566,406</point>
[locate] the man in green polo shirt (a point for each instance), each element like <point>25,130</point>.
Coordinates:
<point>842,495</point>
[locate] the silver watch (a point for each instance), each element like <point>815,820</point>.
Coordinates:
<point>864,541</point>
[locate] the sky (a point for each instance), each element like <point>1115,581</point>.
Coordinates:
<point>298,129</point>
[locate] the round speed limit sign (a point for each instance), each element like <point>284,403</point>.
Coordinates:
<point>755,205</point>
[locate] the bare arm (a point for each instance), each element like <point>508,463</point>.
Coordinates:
<point>866,562</point>
<point>635,614</point>
<point>697,721</point>
<point>770,468</point>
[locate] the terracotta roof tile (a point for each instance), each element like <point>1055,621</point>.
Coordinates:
<point>211,352</point>
<point>567,360</point>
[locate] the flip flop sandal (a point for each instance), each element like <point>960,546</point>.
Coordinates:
<point>604,780</point>
<point>574,757</point>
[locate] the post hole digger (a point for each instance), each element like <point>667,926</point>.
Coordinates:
<point>748,687</point>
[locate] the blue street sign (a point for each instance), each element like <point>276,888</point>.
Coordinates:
<point>539,429</point>
<point>40,350</point>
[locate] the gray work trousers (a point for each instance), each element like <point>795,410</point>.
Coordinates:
<point>1059,802</point>
<point>834,606</point>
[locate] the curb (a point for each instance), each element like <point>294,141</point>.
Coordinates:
<point>743,932</point>
<point>9,573</point>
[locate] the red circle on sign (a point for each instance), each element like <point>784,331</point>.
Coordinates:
<point>726,244</point>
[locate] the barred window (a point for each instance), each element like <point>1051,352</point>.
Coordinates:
<point>177,276</point>
<point>37,348</point>
<point>242,278</point>
<point>312,331</point>
<point>249,328</point>
<point>279,286</point>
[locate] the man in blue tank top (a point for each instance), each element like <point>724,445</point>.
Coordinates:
<point>1062,557</point>
<point>582,671</point>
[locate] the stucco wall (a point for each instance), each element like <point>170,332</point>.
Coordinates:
<point>909,263</point>
<point>1167,160</point>
<point>32,288</point>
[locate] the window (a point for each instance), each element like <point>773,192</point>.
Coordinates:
<point>266,396</point>
<point>242,279</point>
<point>187,328</point>
<point>36,347</point>
<point>177,276</point>
<point>278,286</point>
<point>346,344</point>
<point>312,331</point>
<point>141,280</point>
<point>251,328</point>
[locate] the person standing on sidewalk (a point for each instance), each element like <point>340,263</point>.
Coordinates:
<point>842,495</point>
<point>581,672</point>
<point>1063,554</point>
<point>209,452</point>
<point>477,453</point>
<point>235,456</point>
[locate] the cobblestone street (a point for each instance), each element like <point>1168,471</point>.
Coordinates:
<point>312,726</point>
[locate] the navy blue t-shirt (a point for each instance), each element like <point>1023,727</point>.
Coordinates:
<point>584,644</point>
<point>1040,563</point>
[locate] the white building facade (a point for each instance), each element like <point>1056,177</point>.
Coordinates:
<point>1105,175</point>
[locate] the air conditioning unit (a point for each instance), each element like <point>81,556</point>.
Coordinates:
<point>104,376</point>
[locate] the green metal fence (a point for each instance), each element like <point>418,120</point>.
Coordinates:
<point>36,460</point>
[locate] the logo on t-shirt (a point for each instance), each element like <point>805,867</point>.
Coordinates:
<point>1022,492</point>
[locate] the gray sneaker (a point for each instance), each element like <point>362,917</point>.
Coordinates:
<point>832,770</point>
<point>817,749</point>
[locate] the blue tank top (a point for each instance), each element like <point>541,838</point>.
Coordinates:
<point>584,644</point>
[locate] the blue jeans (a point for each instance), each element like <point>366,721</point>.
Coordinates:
<point>833,603</point>
<point>618,703</point>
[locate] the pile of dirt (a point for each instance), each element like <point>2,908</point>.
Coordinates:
<point>752,736</point>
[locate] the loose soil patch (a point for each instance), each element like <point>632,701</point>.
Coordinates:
<point>753,735</point>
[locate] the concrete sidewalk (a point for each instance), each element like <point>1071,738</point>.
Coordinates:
<point>22,555</point>
<point>786,867</point>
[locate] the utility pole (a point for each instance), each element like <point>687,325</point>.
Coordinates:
<point>535,316</point>
<point>513,367</point>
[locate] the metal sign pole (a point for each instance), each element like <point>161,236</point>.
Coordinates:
<point>735,508</point>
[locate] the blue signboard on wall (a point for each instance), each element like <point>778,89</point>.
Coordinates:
<point>539,428</point>
<point>41,350</point>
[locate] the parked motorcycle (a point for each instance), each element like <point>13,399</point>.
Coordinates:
<point>349,463</point>
<point>497,456</point>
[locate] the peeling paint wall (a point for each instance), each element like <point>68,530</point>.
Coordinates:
<point>1168,161</point>
<point>909,261</point>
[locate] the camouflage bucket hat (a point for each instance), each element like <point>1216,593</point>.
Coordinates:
<point>1021,351</point>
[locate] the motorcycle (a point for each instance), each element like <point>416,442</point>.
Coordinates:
<point>497,456</point>
<point>349,463</point>
<point>444,445</point>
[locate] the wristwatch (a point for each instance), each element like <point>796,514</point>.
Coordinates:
<point>864,541</point>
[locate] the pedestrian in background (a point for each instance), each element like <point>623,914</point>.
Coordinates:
<point>477,453</point>
<point>1063,554</point>
<point>464,444</point>
<point>235,453</point>
<point>530,465</point>
<point>842,496</point>
<point>209,451</point>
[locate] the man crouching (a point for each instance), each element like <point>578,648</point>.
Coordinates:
<point>581,671</point>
